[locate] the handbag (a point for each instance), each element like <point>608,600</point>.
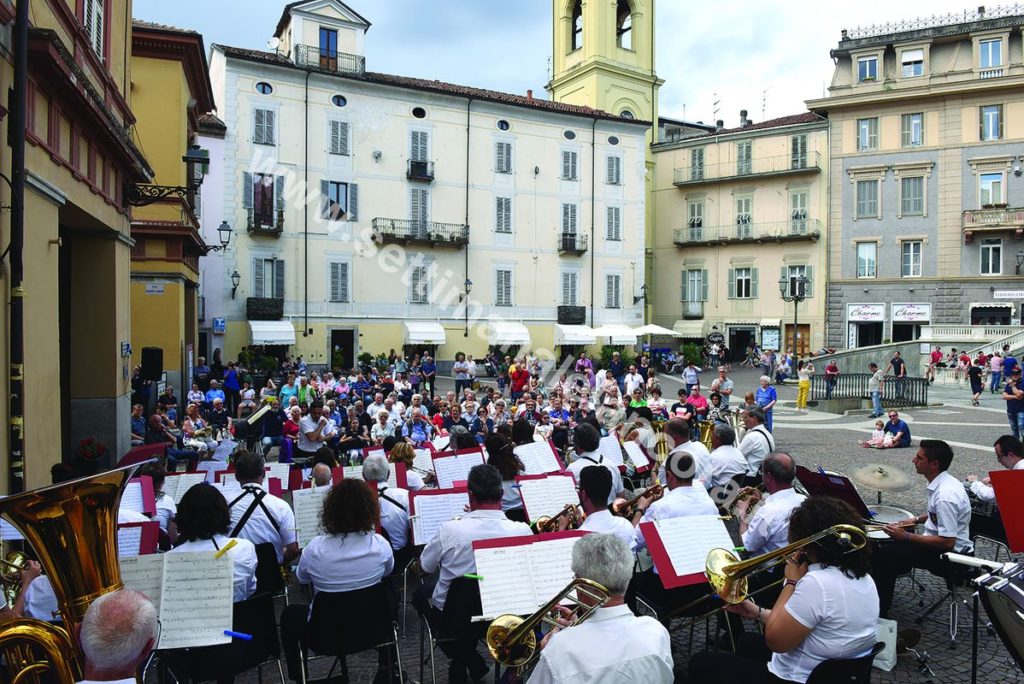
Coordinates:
<point>886,658</point>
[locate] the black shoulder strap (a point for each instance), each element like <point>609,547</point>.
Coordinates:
<point>258,495</point>
<point>381,494</point>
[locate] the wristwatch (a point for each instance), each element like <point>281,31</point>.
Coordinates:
<point>790,583</point>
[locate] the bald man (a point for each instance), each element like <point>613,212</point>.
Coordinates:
<point>321,475</point>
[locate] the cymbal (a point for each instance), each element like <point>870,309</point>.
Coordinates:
<point>881,478</point>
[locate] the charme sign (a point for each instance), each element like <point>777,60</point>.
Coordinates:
<point>865,312</point>
<point>913,313</point>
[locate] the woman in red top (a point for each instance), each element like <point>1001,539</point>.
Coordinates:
<point>290,427</point>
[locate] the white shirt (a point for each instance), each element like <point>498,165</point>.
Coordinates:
<point>394,518</point>
<point>756,444</point>
<point>165,510</point>
<point>40,601</point>
<point>451,549</point>
<point>613,645</point>
<point>130,680</point>
<point>345,562</point>
<point>591,458</point>
<point>701,463</point>
<point>242,554</point>
<point>413,480</point>
<point>769,528</point>
<point>986,492</point>
<point>258,528</point>
<point>307,424</point>
<point>632,381</point>
<point>510,499</point>
<point>949,511</point>
<point>676,503</point>
<point>726,462</point>
<point>604,522</point>
<point>842,614</point>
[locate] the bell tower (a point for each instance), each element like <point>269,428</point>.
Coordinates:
<point>603,56</point>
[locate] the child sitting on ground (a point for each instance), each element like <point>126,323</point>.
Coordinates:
<point>879,438</point>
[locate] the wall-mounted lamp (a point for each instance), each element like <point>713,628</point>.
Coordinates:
<point>469,288</point>
<point>642,296</point>
<point>235,280</point>
<point>224,235</point>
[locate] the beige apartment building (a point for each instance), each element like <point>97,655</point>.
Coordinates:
<point>741,217</point>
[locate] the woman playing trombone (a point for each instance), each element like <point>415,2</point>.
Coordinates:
<point>828,607</point>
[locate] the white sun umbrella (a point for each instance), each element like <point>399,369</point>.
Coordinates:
<point>652,329</point>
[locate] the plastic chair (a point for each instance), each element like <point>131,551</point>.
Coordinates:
<point>845,670</point>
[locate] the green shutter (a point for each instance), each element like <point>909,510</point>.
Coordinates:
<point>732,283</point>
<point>683,297</point>
<point>278,278</point>
<point>279,193</point>
<point>247,190</point>
<point>325,199</point>
<point>704,285</point>
<point>753,283</point>
<point>809,272</point>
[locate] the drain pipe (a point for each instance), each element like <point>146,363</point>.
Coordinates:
<point>469,104</point>
<point>305,215</point>
<point>593,213</point>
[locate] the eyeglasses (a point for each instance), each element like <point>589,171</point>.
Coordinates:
<point>894,415</point>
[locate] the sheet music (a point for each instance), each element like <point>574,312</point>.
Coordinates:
<point>230,490</point>
<point>440,442</point>
<point>548,496</point>
<point>280,471</point>
<point>228,479</point>
<point>636,455</point>
<point>688,540</point>
<point>224,449</point>
<point>209,467</point>
<point>424,461</point>
<point>185,482</point>
<point>375,451</point>
<point>145,574</point>
<point>520,579</point>
<point>196,599</point>
<point>131,498</point>
<point>356,473</point>
<point>129,541</point>
<point>610,449</point>
<point>308,504</point>
<point>537,458</point>
<point>456,467</point>
<point>434,510</point>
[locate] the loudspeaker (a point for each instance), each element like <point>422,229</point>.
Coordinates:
<point>152,363</point>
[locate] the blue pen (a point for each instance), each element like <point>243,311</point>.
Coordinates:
<point>238,635</point>
<point>821,470</point>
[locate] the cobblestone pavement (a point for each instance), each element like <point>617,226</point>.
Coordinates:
<point>831,441</point>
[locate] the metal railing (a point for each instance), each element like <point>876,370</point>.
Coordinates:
<point>896,392</point>
<point>934,21</point>
<point>758,166</point>
<point>425,232</point>
<point>264,224</point>
<point>315,57</point>
<point>794,229</point>
<point>571,243</point>
<point>264,309</point>
<point>420,170</point>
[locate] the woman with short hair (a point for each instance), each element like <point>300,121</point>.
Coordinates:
<point>403,452</point>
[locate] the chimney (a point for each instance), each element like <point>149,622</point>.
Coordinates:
<point>743,119</point>
<point>719,125</point>
<point>529,94</point>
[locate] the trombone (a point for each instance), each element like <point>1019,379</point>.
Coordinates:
<point>549,523</point>
<point>627,509</point>
<point>511,639</point>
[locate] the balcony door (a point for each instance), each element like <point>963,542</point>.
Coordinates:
<point>419,211</point>
<point>329,49</point>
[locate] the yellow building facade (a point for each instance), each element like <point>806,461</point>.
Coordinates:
<point>170,91</point>
<point>79,158</point>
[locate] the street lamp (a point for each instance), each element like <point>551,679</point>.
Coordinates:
<point>469,288</point>
<point>224,235</point>
<point>236,278</point>
<point>795,291</point>
<point>1020,260</point>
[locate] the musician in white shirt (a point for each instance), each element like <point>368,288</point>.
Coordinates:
<point>680,438</point>
<point>394,511</point>
<point>1010,456</point>
<point>727,462</point>
<point>117,634</point>
<point>259,516</point>
<point>946,525</point>
<point>756,444</point>
<point>827,608</point>
<point>586,442</point>
<point>768,528</point>
<point>613,645</point>
<point>450,555</point>
<point>594,484</point>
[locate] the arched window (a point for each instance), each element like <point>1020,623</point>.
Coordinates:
<point>624,25</point>
<point>577,25</point>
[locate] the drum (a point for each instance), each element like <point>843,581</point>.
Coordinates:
<point>883,515</point>
<point>985,518</point>
<point>1002,594</point>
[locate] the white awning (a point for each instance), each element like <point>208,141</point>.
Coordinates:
<point>618,334</point>
<point>653,329</point>
<point>691,329</point>
<point>424,332</point>
<point>771,322</point>
<point>502,333</point>
<point>574,334</point>
<point>272,332</point>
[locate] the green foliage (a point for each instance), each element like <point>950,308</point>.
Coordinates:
<point>366,358</point>
<point>246,357</point>
<point>692,352</point>
<point>337,359</point>
<point>625,354</point>
<point>267,364</point>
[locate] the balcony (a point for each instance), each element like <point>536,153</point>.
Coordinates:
<point>781,231</point>
<point>572,315</point>
<point>432,233</point>
<point>420,171</point>
<point>312,57</point>
<point>571,243</point>
<point>993,220</point>
<point>693,310</point>
<point>996,72</point>
<point>264,309</point>
<point>783,165</point>
<point>265,224</point>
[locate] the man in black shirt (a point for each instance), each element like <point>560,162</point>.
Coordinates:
<point>899,369</point>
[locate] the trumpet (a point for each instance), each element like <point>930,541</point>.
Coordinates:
<point>549,523</point>
<point>511,639</point>
<point>627,509</point>
<point>746,493</point>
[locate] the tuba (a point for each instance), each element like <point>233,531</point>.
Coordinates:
<point>72,526</point>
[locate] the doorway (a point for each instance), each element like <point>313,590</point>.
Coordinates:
<point>343,349</point>
<point>803,339</point>
<point>739,340</point>
<point>865,334</point>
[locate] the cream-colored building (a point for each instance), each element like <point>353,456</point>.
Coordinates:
<point>366,205</point>
<point>927,196</point>
<point>740,211</point>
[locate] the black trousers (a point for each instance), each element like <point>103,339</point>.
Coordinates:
<point>666,602</point>
<point>456,642</point>
<point>895,558</point>
<point>749,664</point>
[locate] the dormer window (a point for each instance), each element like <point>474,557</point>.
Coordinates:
<point>867,68</point>
<point>624,25</point>
<point>913,63</point>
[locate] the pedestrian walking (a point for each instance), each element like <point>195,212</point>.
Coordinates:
<point>995,366</point>
<point>974,374</point>
<point>1013,393</point>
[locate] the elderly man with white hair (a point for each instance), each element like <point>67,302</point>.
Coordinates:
<point>118,633</point>
<point>613,644</point>
<point>394,507</point>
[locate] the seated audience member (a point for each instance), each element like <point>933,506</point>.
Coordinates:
<point>138,435</point>
<point>118,633</point>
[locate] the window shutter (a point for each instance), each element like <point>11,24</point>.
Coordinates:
<point>278,278</point>
<point>612,177</point>
<point>343,290</point>
<point>335,276</point>
<point>753,283</point>
<point>268,128</point>
<point>246,190</point>
<point>732,283</point>
<point>325,199</point>
<point>573,158</point>
<point>418,143</point>
<point>682,297</point>
<point>609,300</point>
<point>808,271</point>
<point>704,285</point>
<point>279,193</point>
<point>568,289</point>
<point>339,137</point>
<point>258,125</point>
<point>257,277</point>
<point>566,165</point>
<point>414,286</point>
<point>503,157</point>
<point>353,202</point>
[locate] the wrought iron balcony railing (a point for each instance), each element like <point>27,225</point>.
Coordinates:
<point>314,57</point>
<point>785,164</point>
<point>781,231</point>
<point>265,224</point>
<point>420,232</point>
<point>571,243</point>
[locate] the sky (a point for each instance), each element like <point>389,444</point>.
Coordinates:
<point>765,57</point>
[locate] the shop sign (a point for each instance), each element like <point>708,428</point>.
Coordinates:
<point>716,338</point>
<point>1008,294</point>
<point>912,313</point>
<point>865,313</point>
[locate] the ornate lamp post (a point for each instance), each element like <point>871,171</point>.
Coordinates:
<point>794,291</point>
